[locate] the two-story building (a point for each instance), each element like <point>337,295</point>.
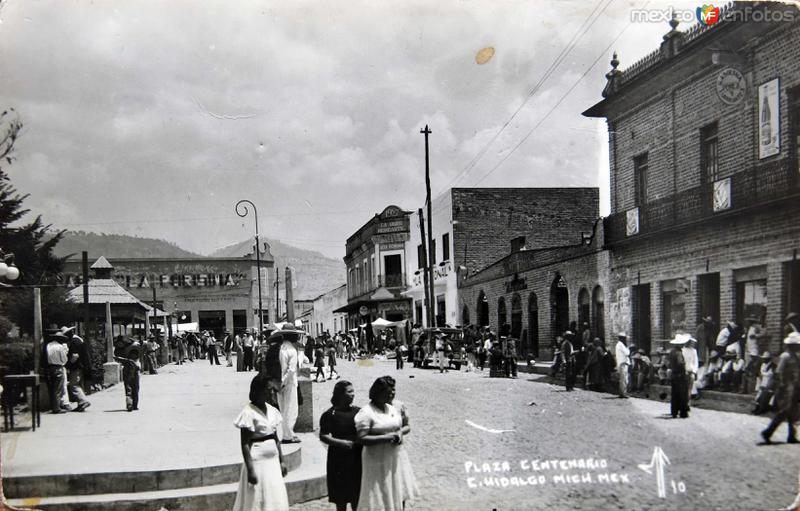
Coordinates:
<point>376,259</point>
<point>703,140</point>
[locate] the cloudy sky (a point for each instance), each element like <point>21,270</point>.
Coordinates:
<point>154,118</point>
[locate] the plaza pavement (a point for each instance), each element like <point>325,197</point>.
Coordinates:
<point>713,454</point>
<point>457,418</point>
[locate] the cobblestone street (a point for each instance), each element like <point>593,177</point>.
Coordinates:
<point>713,457</point>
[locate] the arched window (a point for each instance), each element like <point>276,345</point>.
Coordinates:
<point>559,307</point>
<point>516,316</point>
<point>501,314</point>
<point>483,309</point>
<point>598,313</point>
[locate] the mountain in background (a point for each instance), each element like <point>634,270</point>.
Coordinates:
<point>117,245</point>
<point>315,274</point>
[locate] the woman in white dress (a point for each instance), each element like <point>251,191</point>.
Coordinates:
<point>387,479</point>
<point>261,485</point>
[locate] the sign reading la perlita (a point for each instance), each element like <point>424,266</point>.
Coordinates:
<point>144,280</point>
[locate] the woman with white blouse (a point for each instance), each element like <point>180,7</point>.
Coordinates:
<point>387,479</point>
<point>261,485</point>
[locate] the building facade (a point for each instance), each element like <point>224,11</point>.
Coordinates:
<point>541,293</point>
<point>376,260</point>
<point>323,319</point>
<point>473,228</point>
<point>217,293</point>
<point>703,140</point>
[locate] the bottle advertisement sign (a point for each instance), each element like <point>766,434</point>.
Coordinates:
<point>769,126</point>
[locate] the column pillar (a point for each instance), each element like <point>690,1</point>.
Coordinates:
<point>777,282</point>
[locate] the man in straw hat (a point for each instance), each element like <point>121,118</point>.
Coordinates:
<point>787,394</point>
<point>679,403</point>
<point>56,356</point>
<point>622,354</point>
<point>290,367</point>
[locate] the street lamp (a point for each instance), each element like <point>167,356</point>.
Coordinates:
<point>241,210</point>
<point>7,268</point>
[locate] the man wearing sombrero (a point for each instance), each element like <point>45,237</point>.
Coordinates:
<point>787,394</point>
<point>78,364</point>
<point>290,367</point>
<point>679,404</point>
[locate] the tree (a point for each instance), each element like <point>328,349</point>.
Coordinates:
<point>30,243</point>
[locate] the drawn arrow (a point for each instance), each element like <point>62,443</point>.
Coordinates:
<point>657,462</point>
<point>482,428</point>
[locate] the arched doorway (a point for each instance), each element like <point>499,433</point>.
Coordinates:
<point>483,309</point>
<point>465,316</point>
<point>501,315</point>
<point>598,313</point>
<point>532,348</point>
<point>583,312</point>
<point>559,306</point>
<point>516,316</point>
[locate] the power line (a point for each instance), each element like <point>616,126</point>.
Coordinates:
<point>604,52</point>
<point>560,58</point>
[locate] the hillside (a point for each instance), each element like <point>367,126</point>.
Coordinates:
<point>315,273</point>
<point>116,245</point>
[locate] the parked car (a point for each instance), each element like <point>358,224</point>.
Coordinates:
<point>453,336</point>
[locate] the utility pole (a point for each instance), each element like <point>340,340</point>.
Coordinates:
<point>85,270</point>
<point>426,321</point>
<point>431,255</point>
<point>277,295</point>
<point>37,330</point>
<point>289,296</point>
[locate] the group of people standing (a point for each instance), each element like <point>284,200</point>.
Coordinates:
<point>67,363</point>
<point>367,466</point>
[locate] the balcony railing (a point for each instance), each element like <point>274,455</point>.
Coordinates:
<point>393,280</point>
<point>745,189</point>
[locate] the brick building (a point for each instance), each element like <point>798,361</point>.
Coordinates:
<point>540,291</point>
<point>473,228</point>
<point>703,138</point>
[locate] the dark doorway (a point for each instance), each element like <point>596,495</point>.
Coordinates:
<point>641,317</point>
<point>559,306</point>
<point>516,316</point>
<point>465,316</point>
<point>793,287</point>
<point>599,313</point>
<point>394,316</point>
<point>483,310</point>
<point>239,321</point>
<point>501,314</point>
<point>213,321</point>
<point>441,311</point>
<point>583,309</point>
<point>532,346</point>
<point>418,312</point>
<point>708,302</point>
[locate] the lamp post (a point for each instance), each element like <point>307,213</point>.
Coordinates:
<point>241,210</point>
<point>7,268</point>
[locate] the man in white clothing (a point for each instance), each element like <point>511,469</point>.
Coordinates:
<point>623,357</point>
<point>689,352</point>
<point>287,396</point>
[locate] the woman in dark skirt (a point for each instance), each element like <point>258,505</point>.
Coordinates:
<point>337,429</point>
<point>679,404</point>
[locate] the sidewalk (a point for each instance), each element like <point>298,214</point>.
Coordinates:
<point>185,419</point>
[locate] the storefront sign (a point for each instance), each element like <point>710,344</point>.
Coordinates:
<point>439,273</point>
<point>393,226</point>
<point>769,126</point>
<point>730,86</point>
<point>390,238</point>
<point>722,194</point>
<point>144,280</point>
<point>392,246</point>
